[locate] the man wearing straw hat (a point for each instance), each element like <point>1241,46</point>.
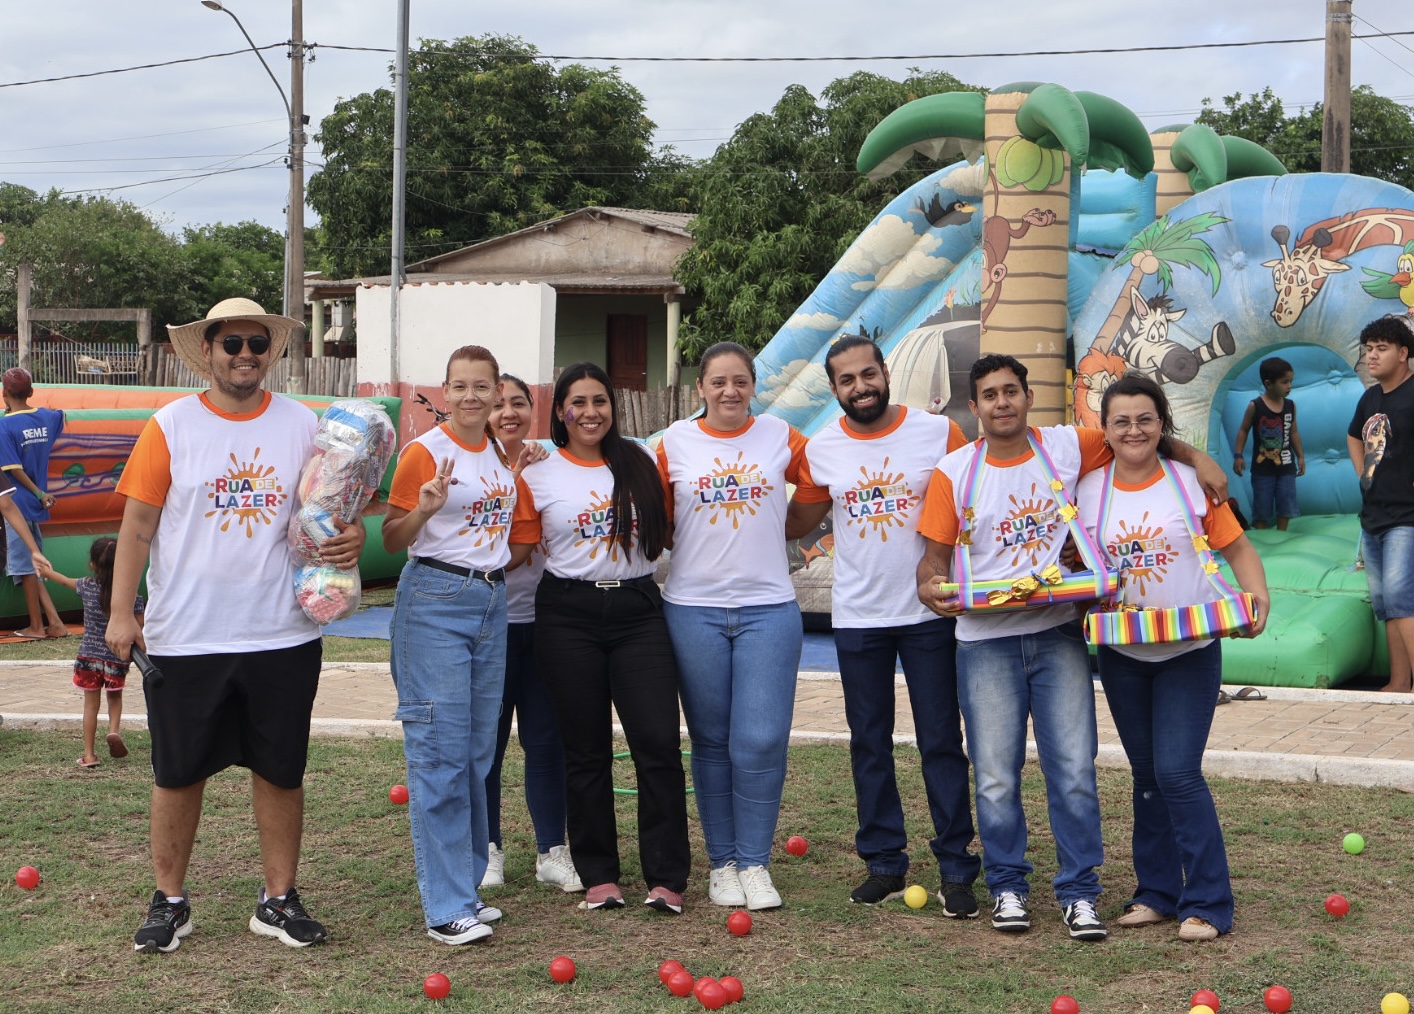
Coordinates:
<point>209,488</point>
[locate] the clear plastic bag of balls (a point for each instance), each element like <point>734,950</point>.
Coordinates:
<point>352,447</point>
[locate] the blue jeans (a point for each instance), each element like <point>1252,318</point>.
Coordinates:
<point>867,658</point>
<point>1000,682</point>
<point>525,696</point>
<point>737,670</point>
<point>449,662</point>
<point>1163,711</point>
<point>1389,571</point>
<point>1274,496</point>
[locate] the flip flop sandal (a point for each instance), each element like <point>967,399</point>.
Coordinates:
<point>1249,694</point>
<point>89,766</point>
<point>116,746</point>
<point>1224,696</point>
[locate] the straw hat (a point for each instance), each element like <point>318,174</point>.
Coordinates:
<point>187,338</point>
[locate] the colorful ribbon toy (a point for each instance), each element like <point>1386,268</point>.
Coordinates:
<point>1024,587</point>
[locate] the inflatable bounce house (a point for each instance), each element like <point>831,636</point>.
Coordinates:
<point>1069,236</point>
<point>101,425</point>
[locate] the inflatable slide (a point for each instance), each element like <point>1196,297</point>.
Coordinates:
<point>1069,236</point>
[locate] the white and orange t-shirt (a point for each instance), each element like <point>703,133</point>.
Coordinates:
<point>1146,538</point>
<point>221,577</point>
<point>473,527</point>
<point>875,483</point>
<point>568,502</point>
<point>1017,529</point>
<point>727,497</point>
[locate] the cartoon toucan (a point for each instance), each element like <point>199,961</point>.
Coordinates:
<point>1399,285</point>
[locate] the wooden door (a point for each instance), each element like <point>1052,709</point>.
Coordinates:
<point>628,351</point>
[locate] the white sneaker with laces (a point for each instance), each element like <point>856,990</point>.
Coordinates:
<point>724,887</point>
<point>756,885</point>
<point>495,874</point>
<point>557,867</point>
<point>462,931</point>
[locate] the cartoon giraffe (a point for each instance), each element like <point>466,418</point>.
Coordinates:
<point>1300,272</point>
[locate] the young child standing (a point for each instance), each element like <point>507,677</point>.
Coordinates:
<point>1277,456</point>
<point>96,669</point>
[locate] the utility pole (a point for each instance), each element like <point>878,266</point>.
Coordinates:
<point>294,221</point>
<point>1335,125</point>
<point>400,155</point>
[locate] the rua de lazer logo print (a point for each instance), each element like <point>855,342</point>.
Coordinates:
<point>249,493</point>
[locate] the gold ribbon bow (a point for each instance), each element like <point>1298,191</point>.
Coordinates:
<point>1024,587</point>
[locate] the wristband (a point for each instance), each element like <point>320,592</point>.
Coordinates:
<point>1237,454</point>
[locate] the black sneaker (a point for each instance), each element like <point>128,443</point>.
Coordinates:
<point>959,902</point>
<point>1010,913</point>
<point>1083,922</point>
<point>880,887</point>
<point>287,921</point>
<point>166,923</point>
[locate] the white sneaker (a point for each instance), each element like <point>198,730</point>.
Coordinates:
<point>557,867</point>
<point>760,892</point>
<point>724,887</point>
<point>495,874</point>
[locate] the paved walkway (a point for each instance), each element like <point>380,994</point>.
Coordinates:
<point>1340,736</point>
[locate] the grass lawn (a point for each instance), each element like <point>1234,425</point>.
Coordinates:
<point>67,945</point>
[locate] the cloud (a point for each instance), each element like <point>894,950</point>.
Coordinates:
<point>800,383</point>
<point>817,321</point>
<point>880,245</point>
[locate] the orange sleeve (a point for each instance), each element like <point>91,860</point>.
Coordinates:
<point>148,474</point>
<point>806,489</point>
<point>525,523</point>
<point>415,467</point>
<point>1094,452</point>
<point>1222,525</point>
<point>956,438</point>
<point>797,455</point>
<point>938,520</point>
<point>662,458</point>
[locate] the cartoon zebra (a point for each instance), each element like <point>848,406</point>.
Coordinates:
<point>1144,343</point>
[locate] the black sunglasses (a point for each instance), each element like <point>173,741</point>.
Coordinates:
<point>259,344</point>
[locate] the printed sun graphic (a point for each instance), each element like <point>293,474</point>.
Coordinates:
<point>490,517</point>
<point>731,490</point>
<point>249,493</point>
<point>1143,553</point>
<point>1028,530</point>
<point>596,527</point>
<point>880,501</point>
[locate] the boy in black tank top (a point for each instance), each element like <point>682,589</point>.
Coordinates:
<point>1277,457</point>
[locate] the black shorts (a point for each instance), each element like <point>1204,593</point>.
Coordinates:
<point>249,709</point>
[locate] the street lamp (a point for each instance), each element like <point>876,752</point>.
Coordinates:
<point>294,213</point>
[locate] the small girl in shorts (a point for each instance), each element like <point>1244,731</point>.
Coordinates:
<point>96,668</point>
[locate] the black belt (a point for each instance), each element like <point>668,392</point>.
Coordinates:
<point>489,576</point>
<point>627,582</point>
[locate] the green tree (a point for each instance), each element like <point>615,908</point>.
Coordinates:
<point>782,200</point>
<point>1381,132</point>
<point>92,252</point>
<point>247,259</point>
<point>498,139</point>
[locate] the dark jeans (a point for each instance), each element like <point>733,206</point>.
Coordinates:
<point>597,646</point>
<point>1163,712</point>
<point>867,658</point>
<point>525,696</point>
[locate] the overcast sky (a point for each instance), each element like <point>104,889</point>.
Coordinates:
<point>159,133</point>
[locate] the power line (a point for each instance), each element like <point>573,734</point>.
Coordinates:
<point>171,179</point>
<point>882,56</point>
<point>141,66</point>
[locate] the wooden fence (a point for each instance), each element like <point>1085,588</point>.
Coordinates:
<point>643,413</point>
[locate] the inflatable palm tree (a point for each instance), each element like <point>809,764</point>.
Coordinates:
<point>1034,136</point>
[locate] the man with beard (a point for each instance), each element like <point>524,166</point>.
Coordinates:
<point>872,467</point>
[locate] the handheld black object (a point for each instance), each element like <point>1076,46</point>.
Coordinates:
<point>150,673</point>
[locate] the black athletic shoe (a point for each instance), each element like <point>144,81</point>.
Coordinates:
<point>166,923</point>
<point>287,921</point>
<point>1010,913</point>
<point>959,902</point>
<point>880,887</point>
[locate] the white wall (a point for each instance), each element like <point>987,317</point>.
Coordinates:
<point>515,321</point>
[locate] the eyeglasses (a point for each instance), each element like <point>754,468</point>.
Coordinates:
<point>1144,424</point>
<point>232,344</point>
<point>480,391</point>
